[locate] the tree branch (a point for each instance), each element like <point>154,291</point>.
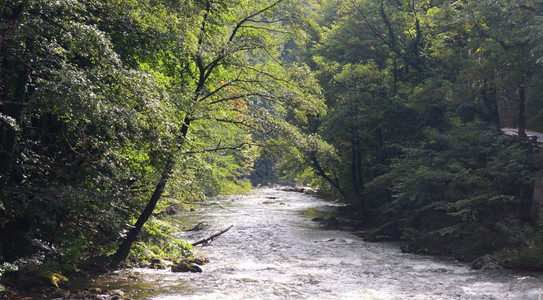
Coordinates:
<point>217,149</point>
<point>249,17</point>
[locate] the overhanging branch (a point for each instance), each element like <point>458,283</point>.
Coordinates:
<point>217,149</point>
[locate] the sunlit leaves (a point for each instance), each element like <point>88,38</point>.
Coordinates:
<point>106,91</point>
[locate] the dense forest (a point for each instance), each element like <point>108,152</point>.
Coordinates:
<point>115,112</point>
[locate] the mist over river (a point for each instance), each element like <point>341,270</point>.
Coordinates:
<point>275,251</point>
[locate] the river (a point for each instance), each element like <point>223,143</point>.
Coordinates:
<point>275,251</point>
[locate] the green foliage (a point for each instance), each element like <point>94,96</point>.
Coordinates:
<point>458,187</point>
<point>94,97</point>
<point>52,278</point>
<point>527,257</point>
<point>157,230</point>
<point>180,248</point>
<point>157,242</point>
<point>101,99</point>
<point>87,135</point>
<point>524,245</point>
<point>518,234</point>
<point>139,252</point>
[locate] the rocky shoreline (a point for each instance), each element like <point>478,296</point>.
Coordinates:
<point>38,286</point>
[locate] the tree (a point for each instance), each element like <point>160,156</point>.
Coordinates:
<point>74,120</point>
<point>235,65</point>
<point>492,43</point>
<point>370,61</point>
<point>411,86</point>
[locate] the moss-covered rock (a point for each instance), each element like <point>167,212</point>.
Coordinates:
<point>487,262</point>
<point>186,266</point>
<point>156,264</point>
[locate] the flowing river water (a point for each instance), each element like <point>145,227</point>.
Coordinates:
<point>275,251</point>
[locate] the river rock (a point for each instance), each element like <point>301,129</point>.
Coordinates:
<point>308,190</point>
<point>116,293</point>
<point>198,260</point>
<point>157,264</point>
<point>95,290</point>
<point>185,266</point>
<point>487,262</point>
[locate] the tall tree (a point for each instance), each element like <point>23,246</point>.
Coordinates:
<point>235,65</point>
<point>74,118</point>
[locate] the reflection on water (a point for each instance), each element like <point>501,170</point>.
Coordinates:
<point>275,251</point>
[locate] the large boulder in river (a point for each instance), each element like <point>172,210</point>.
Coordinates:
<point>185,266</point>
<point>487,262</point>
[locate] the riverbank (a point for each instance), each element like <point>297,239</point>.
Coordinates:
<point>524,257</point>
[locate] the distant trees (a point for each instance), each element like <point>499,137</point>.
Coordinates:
<point>371,60</point>
<point>416,93</point>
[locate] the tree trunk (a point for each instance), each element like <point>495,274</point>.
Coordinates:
<point>323,174</point>
<point>356,164</point>
<point>491,113</point>
<point>354,160</point>
<point>124,248</point>
<point>521,112</point>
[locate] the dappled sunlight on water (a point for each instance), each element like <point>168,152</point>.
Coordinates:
<point>275,251</point>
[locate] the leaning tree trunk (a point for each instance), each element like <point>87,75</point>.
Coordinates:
<point>124,248</point>
<point>320,171</point>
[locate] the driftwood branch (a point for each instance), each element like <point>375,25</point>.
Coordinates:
<point>197,227</point>
<point>211,237</point>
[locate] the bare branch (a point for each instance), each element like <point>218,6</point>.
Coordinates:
<point>267,74</point>
<point>265,29</point>
<point>249,19</point>
<point>211,94</point>
<point>217,149</point>
<point>222,54</point>
<point>369,24</point>
<point>234,98</point>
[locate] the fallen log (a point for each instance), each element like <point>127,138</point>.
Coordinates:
<point>211,237</point>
